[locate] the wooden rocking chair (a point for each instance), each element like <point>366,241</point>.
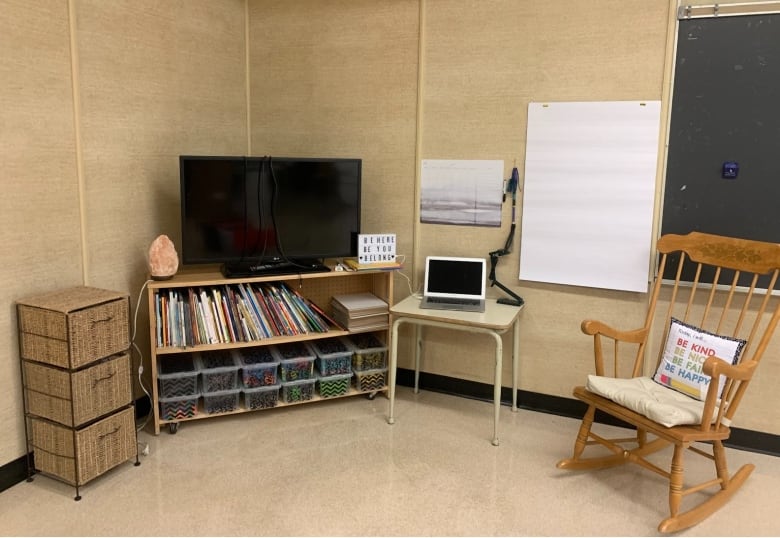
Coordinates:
<point>738,308</point>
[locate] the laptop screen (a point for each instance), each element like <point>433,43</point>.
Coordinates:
<point>455,277</point>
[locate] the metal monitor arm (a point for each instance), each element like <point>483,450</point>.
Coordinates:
<point>515,300</point>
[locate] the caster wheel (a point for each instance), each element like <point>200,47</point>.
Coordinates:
<point>173,427</point>
<point>371,395</point>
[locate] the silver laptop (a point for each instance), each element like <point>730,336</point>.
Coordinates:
<point>454,284</point>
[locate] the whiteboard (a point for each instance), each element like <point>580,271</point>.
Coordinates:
<point>589,190</point>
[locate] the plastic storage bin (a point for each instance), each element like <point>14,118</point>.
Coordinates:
<point>334,356</point>
<point>334,385</point>
<point>178,407</point>
<point>255,355</point>
<point>371,380</point>
<point>256,369</point>
<point>296,361</point>
<point>177,376</point>
<point>218,370</point>
<point>261,397</point>
<point>223,401</point>
<point>300,390</point>
<point>368,352</point>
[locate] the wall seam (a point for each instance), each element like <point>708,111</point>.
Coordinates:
<point>418,143</point>
<point>247,81</point>
<point>74,70</point>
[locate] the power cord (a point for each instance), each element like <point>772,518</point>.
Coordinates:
<point>145,449</point>
<point>400,258</point>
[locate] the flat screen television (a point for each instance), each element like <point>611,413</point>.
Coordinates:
<point>268,215</point>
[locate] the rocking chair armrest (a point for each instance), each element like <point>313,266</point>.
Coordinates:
<point>594,327</point>
<point>714,367</point>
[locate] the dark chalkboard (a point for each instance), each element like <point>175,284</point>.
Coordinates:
<point>725,109</point>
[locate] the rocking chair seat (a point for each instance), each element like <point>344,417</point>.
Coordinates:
<point>646,397</point>
<point>688,433</point>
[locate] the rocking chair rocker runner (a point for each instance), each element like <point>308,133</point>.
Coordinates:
<point>715,305</point>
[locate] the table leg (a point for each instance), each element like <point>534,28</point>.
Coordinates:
<point>515,362</point>
<point>497,386</point>
<point>417,353</point>
<point>392,368</point>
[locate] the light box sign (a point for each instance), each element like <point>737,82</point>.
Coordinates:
<point>376,248</point>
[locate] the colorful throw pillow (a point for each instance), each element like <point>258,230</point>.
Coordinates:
<point>686,349</point>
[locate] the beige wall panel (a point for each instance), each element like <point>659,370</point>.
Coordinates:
<point>156,80</point>
<point>39,211</point>
<point>339,79</point>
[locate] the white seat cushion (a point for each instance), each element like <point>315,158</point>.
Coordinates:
<point>646,397</point>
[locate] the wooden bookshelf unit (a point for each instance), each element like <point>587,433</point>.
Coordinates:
<point>317,288</point>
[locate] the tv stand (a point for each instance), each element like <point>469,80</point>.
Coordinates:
<point>173,400</point>
<point>272,268</point>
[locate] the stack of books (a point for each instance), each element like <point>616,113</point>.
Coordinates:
<point>360,311</point>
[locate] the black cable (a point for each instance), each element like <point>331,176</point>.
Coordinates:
<point>279,246</point>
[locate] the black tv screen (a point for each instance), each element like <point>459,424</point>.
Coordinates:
<point>248,212</point>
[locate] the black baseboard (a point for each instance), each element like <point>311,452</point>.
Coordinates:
<point>13,472</point>
<point>741,439</point>
<point>16,471</point>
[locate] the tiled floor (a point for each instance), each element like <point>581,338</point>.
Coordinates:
<point>337,468</point>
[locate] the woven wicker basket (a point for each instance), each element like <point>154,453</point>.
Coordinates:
<point>96,448</point>
<point>94,391</point>
<point>74,327</point>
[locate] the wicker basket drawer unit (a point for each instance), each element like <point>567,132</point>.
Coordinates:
<point>73,327</point>
<point>95,449</point>
<point>76,367</point>
<point>94,391</point>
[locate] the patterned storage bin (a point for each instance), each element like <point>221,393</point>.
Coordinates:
<point>178,407</point>
<point>301,390</point>
<point>255,355</point>
<point>177,376</point>
<point>223,401</point>
<point>218,370</point>
<point>369,352</point>
<point>371,380</point>
<point>296,361</point>
<point>258,369</point>
<point>261,397</point>
<point>334,385</point>
<point>334,356</point>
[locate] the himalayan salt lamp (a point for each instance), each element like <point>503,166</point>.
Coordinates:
<point>163,259</point>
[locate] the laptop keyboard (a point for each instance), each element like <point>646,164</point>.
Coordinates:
<point>442,300</point>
